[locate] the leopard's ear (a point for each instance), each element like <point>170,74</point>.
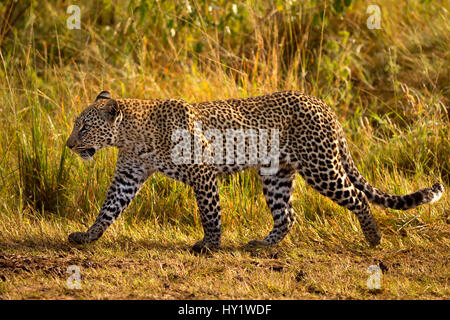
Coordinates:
<point>110,110</point>
<point>103,95</point>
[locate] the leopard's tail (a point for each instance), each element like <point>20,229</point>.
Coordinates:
<point>376,196</point>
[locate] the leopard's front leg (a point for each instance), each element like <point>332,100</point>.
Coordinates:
<point>128,179</point>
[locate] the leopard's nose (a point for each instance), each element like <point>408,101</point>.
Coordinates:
<point>70,143</point>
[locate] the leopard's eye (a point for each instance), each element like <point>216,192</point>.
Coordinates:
<point>84,128</point>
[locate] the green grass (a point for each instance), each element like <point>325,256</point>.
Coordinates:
<point>388,87</point>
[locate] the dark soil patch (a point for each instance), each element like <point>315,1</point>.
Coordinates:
<point>11,263</point>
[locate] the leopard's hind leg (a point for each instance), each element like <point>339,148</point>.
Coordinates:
<point>335,184</point>
<point>278,191</point>
<point>204,182</point>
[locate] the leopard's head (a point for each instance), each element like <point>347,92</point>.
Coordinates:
<point>96,127</point>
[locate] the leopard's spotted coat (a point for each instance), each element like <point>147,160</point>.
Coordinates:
<point>311,142</point>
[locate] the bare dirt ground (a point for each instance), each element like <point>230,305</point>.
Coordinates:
<point>148,270</point>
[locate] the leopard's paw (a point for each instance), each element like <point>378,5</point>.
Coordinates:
<point>79,238</point>
<point>257,244</point>
<point>203,247</point>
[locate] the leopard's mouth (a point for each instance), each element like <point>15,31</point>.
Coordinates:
<point>87,154</point>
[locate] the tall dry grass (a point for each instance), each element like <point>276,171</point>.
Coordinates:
<point>389,87</point>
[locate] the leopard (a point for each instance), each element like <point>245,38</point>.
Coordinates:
<point>308,140</point>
